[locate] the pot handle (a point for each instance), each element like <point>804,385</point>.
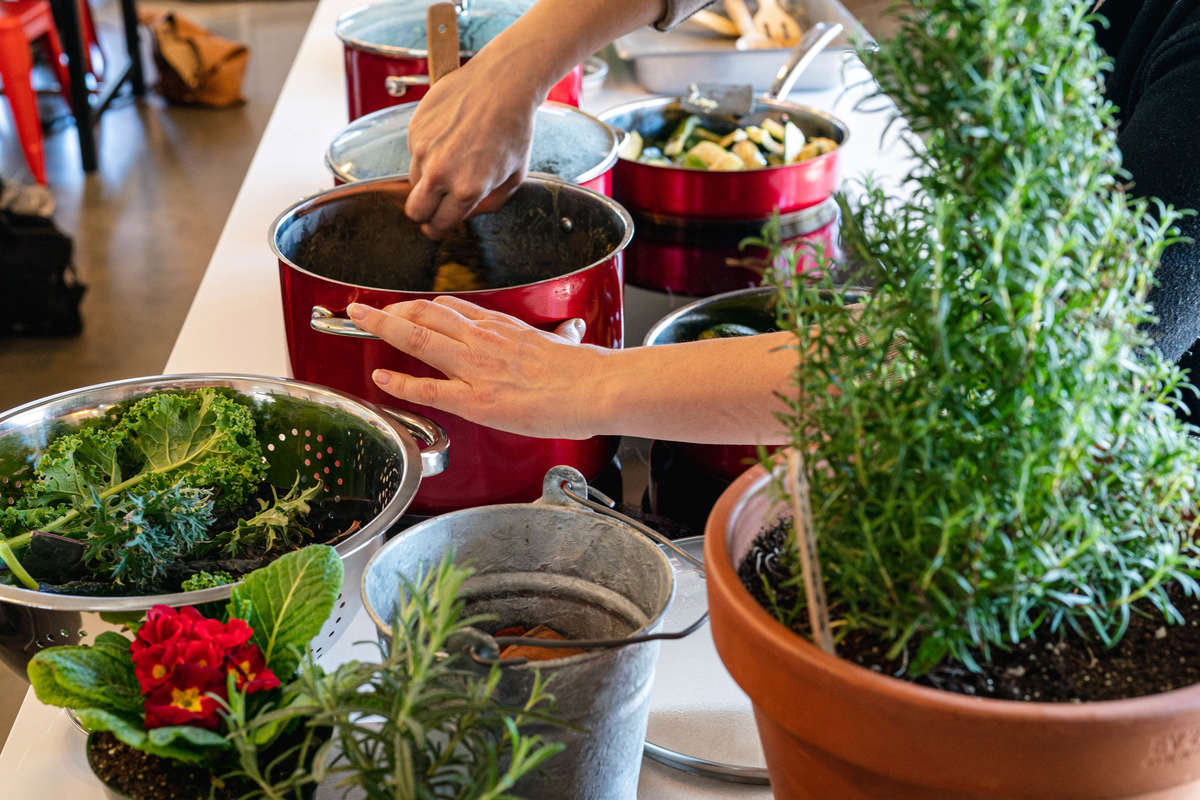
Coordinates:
<point>563,486</point>
<point>398,85</point>
<point>435,455</point>
<point>816,40</point>
<point>325,321</point>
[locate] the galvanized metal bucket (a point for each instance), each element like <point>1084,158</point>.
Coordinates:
<point>567,562</point>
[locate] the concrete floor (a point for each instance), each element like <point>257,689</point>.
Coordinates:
<point>146,223</point>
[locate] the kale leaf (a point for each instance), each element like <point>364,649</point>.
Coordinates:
<point>206,580</point>
<point>276,526</point>
<point>142,491</point>
<point>135,537</point>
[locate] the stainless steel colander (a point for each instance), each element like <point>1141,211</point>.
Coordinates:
<point>363,454</point>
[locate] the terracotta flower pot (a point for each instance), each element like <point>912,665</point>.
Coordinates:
<point>832,729</point>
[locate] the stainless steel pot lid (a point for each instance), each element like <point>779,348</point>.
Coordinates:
<point>700,720</point>
<point>398,28</point>
<point>567,143</point>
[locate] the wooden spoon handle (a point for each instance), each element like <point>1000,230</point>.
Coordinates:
<point>715,22</point>
<point>442,33</point>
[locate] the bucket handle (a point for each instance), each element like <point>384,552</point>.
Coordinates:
<point>566,482</point>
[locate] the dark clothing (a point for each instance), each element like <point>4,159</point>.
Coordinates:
<point>1155,82</point>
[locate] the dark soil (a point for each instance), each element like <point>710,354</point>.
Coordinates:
<point>1152,657</point>
<point>368,240</point>
<point>146,777</point>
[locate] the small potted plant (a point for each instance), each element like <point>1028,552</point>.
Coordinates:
<point>158,706</point>
<point>225,703</point>
<point>1002,500</point>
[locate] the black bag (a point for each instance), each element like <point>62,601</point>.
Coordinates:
<point>39,290</point>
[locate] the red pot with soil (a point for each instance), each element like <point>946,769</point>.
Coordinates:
<point>553,252</point>
<point>567,143</point>
<point>387,60</point>
<point>833,729</point>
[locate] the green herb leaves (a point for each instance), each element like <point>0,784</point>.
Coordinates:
<point>142,491</point>
<point>1016,463</point>
<point>287,602</point>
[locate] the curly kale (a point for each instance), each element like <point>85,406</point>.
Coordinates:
<point>111,485</point>
<point>134,538</point>
<point>206,580</point>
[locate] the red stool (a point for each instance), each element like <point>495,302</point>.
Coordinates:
<point>21,23</point>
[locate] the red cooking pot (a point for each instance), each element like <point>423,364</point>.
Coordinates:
<point>387,60</point>
<point>686,478</point>
<point>705,257</point>
<point>567,143</point>
<point>553,252</point>
<point>685,192</point>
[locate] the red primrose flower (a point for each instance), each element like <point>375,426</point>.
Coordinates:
<point>180,658</point>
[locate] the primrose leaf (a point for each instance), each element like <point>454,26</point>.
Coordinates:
<point>81,678</point>
<point>181,742</point>
<point>129,619</point>
<point>287,602</point>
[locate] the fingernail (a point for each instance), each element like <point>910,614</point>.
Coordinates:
<point>579,325</point>
<point>357,311</point>
<point>381,377</point>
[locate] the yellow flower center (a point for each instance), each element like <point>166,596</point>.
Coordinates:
<point>158,671</point>
<point>187,699</point>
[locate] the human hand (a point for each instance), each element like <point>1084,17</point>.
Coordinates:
<point>470,138</point>
<point>500,372</point>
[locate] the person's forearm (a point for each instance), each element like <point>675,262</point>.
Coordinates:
<point>721,391</point>
<point>548,40</point>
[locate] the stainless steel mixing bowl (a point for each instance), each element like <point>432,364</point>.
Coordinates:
<point>361,453</point>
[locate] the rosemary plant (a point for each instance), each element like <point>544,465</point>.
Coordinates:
<point>1015,464</point>
<point>420,724</point>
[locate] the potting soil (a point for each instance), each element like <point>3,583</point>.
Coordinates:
<point>1063,666</point>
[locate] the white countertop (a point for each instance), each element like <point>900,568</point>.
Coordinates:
<point>235,325</point>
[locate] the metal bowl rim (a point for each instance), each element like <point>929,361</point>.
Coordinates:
<point>591,173</point>
<point>774,105</point>
<point>385,629</point>
<point>389,50</point>
<point>311,202</point>
<point>392,511</point>
<point>658,328</point>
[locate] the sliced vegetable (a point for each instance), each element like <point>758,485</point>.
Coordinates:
<point>750,155</point>
<point>775,128</point>
<point>708,152</point>
<point>631,148</point>
<point>737,136</point>
<point>727,163</point>
<point>793,141</point>
<point>775,143</point>
<point>680,136</point>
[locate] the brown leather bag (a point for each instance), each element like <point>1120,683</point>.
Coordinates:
<point>195,65</point>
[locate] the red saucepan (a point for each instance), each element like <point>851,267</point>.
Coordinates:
<point>704,257</point>
<point>752,308</point>
<point>567,143</point>
<point>387,61</point>
<point>686,479</point>
<point>685,192</point>
<point>553,252</point>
